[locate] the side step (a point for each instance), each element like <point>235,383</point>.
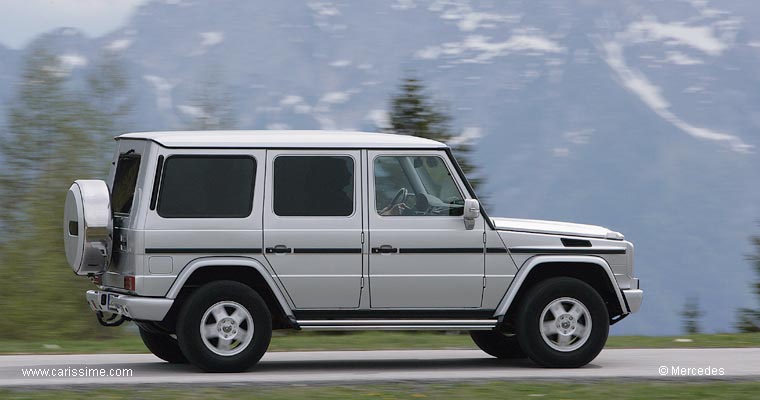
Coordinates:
<point>398,324</point>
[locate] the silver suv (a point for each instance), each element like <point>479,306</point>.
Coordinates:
<point>210,240</point>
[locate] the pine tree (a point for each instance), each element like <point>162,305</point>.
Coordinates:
<point>413,112</point>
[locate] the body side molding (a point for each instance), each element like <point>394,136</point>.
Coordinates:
<point>533,262</point>
<point>229,262</point>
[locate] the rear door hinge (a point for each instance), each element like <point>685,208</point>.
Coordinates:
<point>362,237</point>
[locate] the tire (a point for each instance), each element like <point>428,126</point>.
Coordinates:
<point>562,323</point>
<point>163,346</point>
<point>239,327</point>
<point>498,344</point>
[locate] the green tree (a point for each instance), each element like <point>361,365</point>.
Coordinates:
<point>56,134</point>
<point>749,319</point>
<point>413,112</point>
<point>690,315</point>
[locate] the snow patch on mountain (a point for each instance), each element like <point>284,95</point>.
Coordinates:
<point>702,38</point>
<point>163,90</point>
<point>480,49</point>
<point>118,45</point>
<point>207,41</point>
<point>678,58</point>
<point>469,136</point>
<point>650,94</point>
<point>379,118</point>
<point>467,19</point>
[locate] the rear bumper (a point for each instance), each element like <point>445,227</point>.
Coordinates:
<point>134,307</point>
<point>633,298</point>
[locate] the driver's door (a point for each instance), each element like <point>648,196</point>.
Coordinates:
<point>421,254</point>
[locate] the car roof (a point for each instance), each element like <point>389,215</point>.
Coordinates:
<point>282,139</point>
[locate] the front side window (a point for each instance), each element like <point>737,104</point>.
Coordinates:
<point>312,186</point>
<point>207,187</point>
<point>125,180</point>
<point>415,186</point>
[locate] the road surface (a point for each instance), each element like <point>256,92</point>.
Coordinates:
<point>339,367</point>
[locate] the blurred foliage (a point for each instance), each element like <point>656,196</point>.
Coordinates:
<point>749,319</point>
<point>690,315</point>
<point>57,132</point>
<point>413,112</point>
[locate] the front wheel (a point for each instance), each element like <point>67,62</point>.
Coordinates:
<point>224,326</point>
<point>562,323</point>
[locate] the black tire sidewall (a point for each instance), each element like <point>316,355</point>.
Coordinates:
<point>529,334</point>
<point>497,344</point>
<point>188,327</point>
<point>163,346</point>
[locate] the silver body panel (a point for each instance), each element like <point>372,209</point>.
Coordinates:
<point>443,265</point>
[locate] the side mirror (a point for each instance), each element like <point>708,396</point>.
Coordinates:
<point>471,211</point>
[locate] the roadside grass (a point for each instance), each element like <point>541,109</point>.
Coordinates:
<point>480,390</point>
<point>289,341</point>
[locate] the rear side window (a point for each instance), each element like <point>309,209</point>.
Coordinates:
<point>311,186</point>
<point>207,187</point>
<point>127,169</point>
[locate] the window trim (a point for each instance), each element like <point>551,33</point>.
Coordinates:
<point>374,185</point>
<point>337,154</point>
<point>207,156</point>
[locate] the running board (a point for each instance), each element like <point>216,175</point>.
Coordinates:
<point>398,324</point>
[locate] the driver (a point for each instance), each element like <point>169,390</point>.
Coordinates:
<point>394,209</point>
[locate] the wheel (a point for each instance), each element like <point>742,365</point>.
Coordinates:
<point>163,346</point>
<point>562,323</point>
<point>224,326</point>
<point>497,344</point>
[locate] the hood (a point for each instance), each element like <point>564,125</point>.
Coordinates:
<point>555,228</point>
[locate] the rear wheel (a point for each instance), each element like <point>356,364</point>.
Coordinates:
<point>562,323</point>
<point>498,344</point>
<point>163,346</point>
<point>224,326</point>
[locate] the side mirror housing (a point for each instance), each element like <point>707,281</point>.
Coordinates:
<point>471,212</point>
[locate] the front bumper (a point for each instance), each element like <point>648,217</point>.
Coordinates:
<point>633,298</point>
<point>134,307</point>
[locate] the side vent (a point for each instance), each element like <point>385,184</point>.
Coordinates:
<point>567,242</point>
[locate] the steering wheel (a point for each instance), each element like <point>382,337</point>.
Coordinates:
<point>398,198</point>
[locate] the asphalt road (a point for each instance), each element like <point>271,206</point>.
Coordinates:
<point>340,367</point>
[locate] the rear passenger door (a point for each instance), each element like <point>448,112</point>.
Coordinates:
<point>313,225</point>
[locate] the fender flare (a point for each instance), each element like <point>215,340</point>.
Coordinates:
<point>229,262</point>
<point>536,261</point>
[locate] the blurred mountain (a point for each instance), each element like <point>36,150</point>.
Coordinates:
<point>640,116</point>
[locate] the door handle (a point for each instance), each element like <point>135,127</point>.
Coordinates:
<point>279,249</point>
<point>384,249</point>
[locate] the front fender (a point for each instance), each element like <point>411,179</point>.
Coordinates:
<point>534,262</point>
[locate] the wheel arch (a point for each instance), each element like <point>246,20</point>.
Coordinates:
<point>591,269</point>
<point>240,269</point>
